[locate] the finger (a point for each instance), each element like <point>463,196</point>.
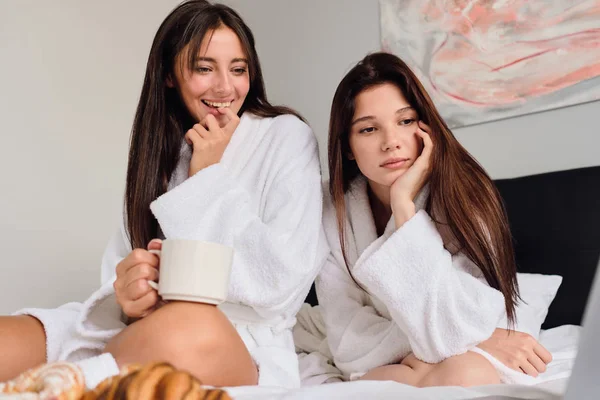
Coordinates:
<point>427,147</point>
<point>137,284</point>
<point>146,304</point>
<point>201,130</point>
<point>423,134</point>
<point>529,369</point>
<point>137,256</point>
<point>537,363</point>
<point>424,127</point>
<point>154,247</point>
<point>513,366</point>
<point>192,138</point>
<point>233,123</point>
<point>141,271</point>
<point>136,290</point>
<point>155,244</point>
<point>213,125</point>
<point>542,353</point>
<point>229,113</point>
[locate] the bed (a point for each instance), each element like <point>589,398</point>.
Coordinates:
<point>561,341</point>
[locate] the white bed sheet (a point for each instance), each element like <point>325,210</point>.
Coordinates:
<point>561,342</point>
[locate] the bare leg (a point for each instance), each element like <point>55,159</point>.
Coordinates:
<point>194,337</point>
<point>469,369</point>
<point>410,371</point>
<point>22,345</point>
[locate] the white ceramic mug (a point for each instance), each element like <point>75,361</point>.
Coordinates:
<point>193,270</point>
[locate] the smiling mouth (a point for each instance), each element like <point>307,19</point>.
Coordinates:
<point>214,104</point>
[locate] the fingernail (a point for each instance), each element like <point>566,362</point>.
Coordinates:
<point>155,252</point>
<point>155,241</point>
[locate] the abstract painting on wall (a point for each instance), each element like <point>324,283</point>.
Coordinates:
<point>482,60</point>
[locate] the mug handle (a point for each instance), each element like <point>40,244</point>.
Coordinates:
<point>154,285</point>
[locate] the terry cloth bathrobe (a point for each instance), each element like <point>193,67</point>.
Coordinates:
<point>264,199</point>
<point>419,297</point>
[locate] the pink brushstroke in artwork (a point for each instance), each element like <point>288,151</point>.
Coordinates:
<point>498,53</point>
<point>491,50</point>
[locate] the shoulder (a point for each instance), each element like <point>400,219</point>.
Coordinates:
<point>291,128</point>
<point>288,130</point>
<point>290,121</point>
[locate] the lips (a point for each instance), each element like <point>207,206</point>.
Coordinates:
<point>217,104</point>
<point>394,162</point>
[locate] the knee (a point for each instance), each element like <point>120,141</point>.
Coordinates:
<point>180,329</point>
<point>200,339</point>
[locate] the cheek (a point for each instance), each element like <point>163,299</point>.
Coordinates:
<point>198,85</point>
<point>242,87</point>
<point>363,150</point>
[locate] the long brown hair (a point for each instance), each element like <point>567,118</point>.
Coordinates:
<point>462,195</point>
<point>161,119</point>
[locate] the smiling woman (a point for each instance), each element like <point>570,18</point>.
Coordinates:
<point>201,166</point>
<point>218,78</point>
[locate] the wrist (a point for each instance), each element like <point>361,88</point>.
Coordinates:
<point>194,170</point>
<point>402,212</point>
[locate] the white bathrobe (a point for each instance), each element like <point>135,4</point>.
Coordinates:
<point>263,199</point>
<point>419,297</point>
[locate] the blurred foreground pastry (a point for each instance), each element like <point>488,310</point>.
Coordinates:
<point>154,381</point>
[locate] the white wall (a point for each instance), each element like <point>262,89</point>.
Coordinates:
<point>70,75</point>
<point>307,46</point>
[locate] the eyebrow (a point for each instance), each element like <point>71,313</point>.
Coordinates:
<point>370,117</point>
<point>212,60</point>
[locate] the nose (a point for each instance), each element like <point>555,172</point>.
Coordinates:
<point>223,84</point>
<point>391,140</point>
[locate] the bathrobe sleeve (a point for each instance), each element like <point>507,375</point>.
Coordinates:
<point>440,303</point>
<point>61,323</point>
<point>117,249</point>
<point>359,338</point>
<point>274,252</point>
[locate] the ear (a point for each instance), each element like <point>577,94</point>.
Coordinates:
<point>350,156</point>
<point>169,82</point>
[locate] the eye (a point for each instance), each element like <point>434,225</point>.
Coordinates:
<point>202,70</point>
<point>406,122</point>
<point>367,130</point>
<point>239,71</point>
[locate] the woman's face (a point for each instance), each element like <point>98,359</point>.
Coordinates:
<point>383,138</point>
<point>219,78</point>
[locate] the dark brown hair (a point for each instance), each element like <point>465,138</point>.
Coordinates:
<point>161,119</point>
<point>462,195</point>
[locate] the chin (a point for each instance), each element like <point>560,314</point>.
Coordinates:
<point>380,180</point>
<point>391,178</point>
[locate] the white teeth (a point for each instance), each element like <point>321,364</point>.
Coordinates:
<point>217,105</point>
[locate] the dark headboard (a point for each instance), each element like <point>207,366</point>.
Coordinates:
<point>555,222</point>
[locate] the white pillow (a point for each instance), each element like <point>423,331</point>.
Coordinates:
<point>537,292</point>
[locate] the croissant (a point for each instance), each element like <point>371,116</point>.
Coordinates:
<point>56,381</point>
<point>160,381</point>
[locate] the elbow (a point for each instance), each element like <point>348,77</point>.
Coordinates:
<point>437,345</point>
